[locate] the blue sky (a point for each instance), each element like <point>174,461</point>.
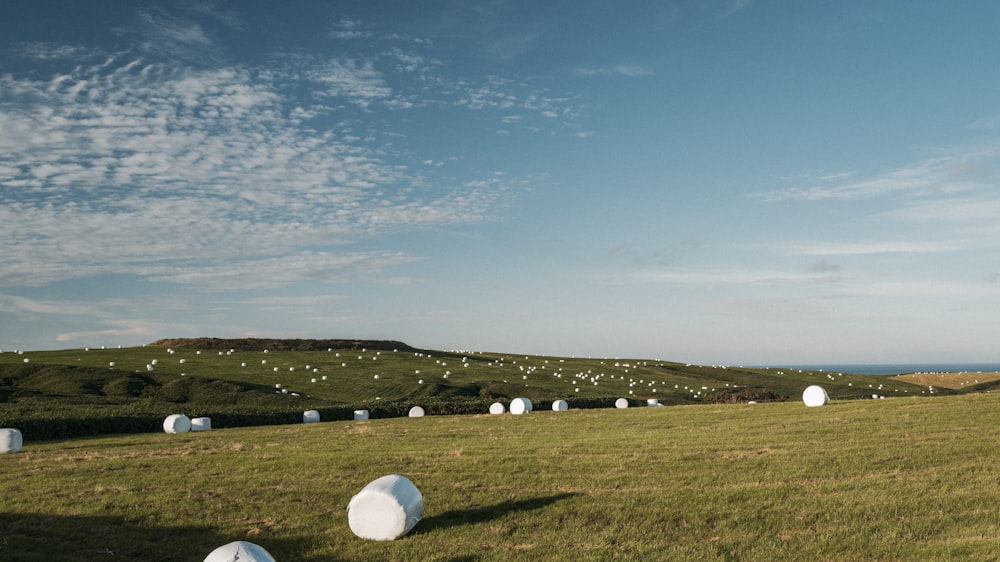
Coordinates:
<point>716,181</point>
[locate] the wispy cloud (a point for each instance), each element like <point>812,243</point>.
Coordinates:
<point>124,166</point>
<point>622,69</point>
<point>937,176</point>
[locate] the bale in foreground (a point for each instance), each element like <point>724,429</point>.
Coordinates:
<point>815,395</point>
<point>10,440</point>
<point>177,423</point>
<point>385,509</point>
<point>241,551</point>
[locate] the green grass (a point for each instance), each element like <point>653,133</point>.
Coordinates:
<point>903,479</point>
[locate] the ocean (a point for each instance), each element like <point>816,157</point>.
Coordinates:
<point>903,368</point>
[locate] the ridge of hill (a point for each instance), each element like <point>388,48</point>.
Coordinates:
<point>279,344</point>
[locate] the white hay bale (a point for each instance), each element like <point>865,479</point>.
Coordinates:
<point>201,424</point>
<point>497,408</point>
<point>11,440</point>
<point>520,406</point>
<point>360,415</point>
<point>177,423</point>
<point>815,395</point>
<point>241,551</point>
<point>621,403</point>
<point>653,402</point>
<point>310,416</point>
<point>385,509</point>
<point>416,412</point>
<point>560,406</point>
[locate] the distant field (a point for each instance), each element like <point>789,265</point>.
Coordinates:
<point>954,381</point>
<point>912,478</point>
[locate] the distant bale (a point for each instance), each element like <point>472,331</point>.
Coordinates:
<point>416,412</point>
<point>815,395</point>
<point>240,551</point>
<point>386,509</point>
<point>497,408</point>
<point>560,406</point>
<point>201,424</point>
<point>360,415</point>
<point>10,440</point>
<point>520,406</point>
<point>653,402</point>
<point>177,423</point>
<point>310,416</point>
<point>621,403</point>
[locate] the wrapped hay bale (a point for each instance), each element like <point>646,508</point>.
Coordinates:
<point>360,415</point>
<point>653,402</point>
<point>621,403</point>
<point>241,551</point>
<point>177,423</point>
<point>310,416</point>
<point>497,408</point>
<point>520,406</point>
<point>560,406</point>
<point>385,509</point>
<point>416,412</point>
<point>10,440</point>
<point>815,395</point>
<point>201,424</point>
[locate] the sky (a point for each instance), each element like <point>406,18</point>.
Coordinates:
<point>711,181</point>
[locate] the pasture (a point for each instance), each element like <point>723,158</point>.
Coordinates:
<point>908,478</point>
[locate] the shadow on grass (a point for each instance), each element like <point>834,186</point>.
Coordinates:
<point>55,538</point>
<point>457,517</point>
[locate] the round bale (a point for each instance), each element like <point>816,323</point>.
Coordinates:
<point>560,406</point>
<point>621,403</point>
<point>241,551</point>
<point>520,406</point>
<point>10,440</point>
<point>360,415</point>
<point>815,395</point>
<point>201,424</point>
<point>177,423</point>
<point>416,412</point>
<point>310,416</point>
<point>497,408</point>
<point>385,509</point>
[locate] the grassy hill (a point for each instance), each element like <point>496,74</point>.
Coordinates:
<point>903,479</point>
<point>256,381</point>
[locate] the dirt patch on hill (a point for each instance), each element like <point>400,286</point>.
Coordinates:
<point>260,344</point>
<point>954,381</point>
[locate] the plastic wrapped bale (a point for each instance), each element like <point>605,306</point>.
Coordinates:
<point>815,395</point>
<point>360,415</point>
<point>520,406</point>
<point>416,412</point>
<point>310,416</point>
<point>621,403</point>
<point>10,440</point>
<point>497,408</point>
<point>177,423</point>
<point>385,509</point>
<point>560,406</point>
<point>201,424</point>
<point>653,402</point>
<point>240,551</point>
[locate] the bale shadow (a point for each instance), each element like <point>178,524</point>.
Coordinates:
<point>456,517</point>
<point>31,537</point>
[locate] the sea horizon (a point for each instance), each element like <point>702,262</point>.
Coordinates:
<point>898,368</point>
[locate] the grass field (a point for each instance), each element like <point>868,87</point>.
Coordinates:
<point>909,478</point>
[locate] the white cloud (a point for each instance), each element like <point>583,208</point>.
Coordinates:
<point>134,329</point>
<point>621,69</point>
<point>162,170</point>
<point>933,177</point>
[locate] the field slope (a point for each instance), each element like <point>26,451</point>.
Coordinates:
<point>910,478</point>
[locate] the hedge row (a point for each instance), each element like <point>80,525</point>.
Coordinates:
<point>82,421</point>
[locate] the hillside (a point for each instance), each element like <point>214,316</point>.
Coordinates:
<point>255,381</point>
